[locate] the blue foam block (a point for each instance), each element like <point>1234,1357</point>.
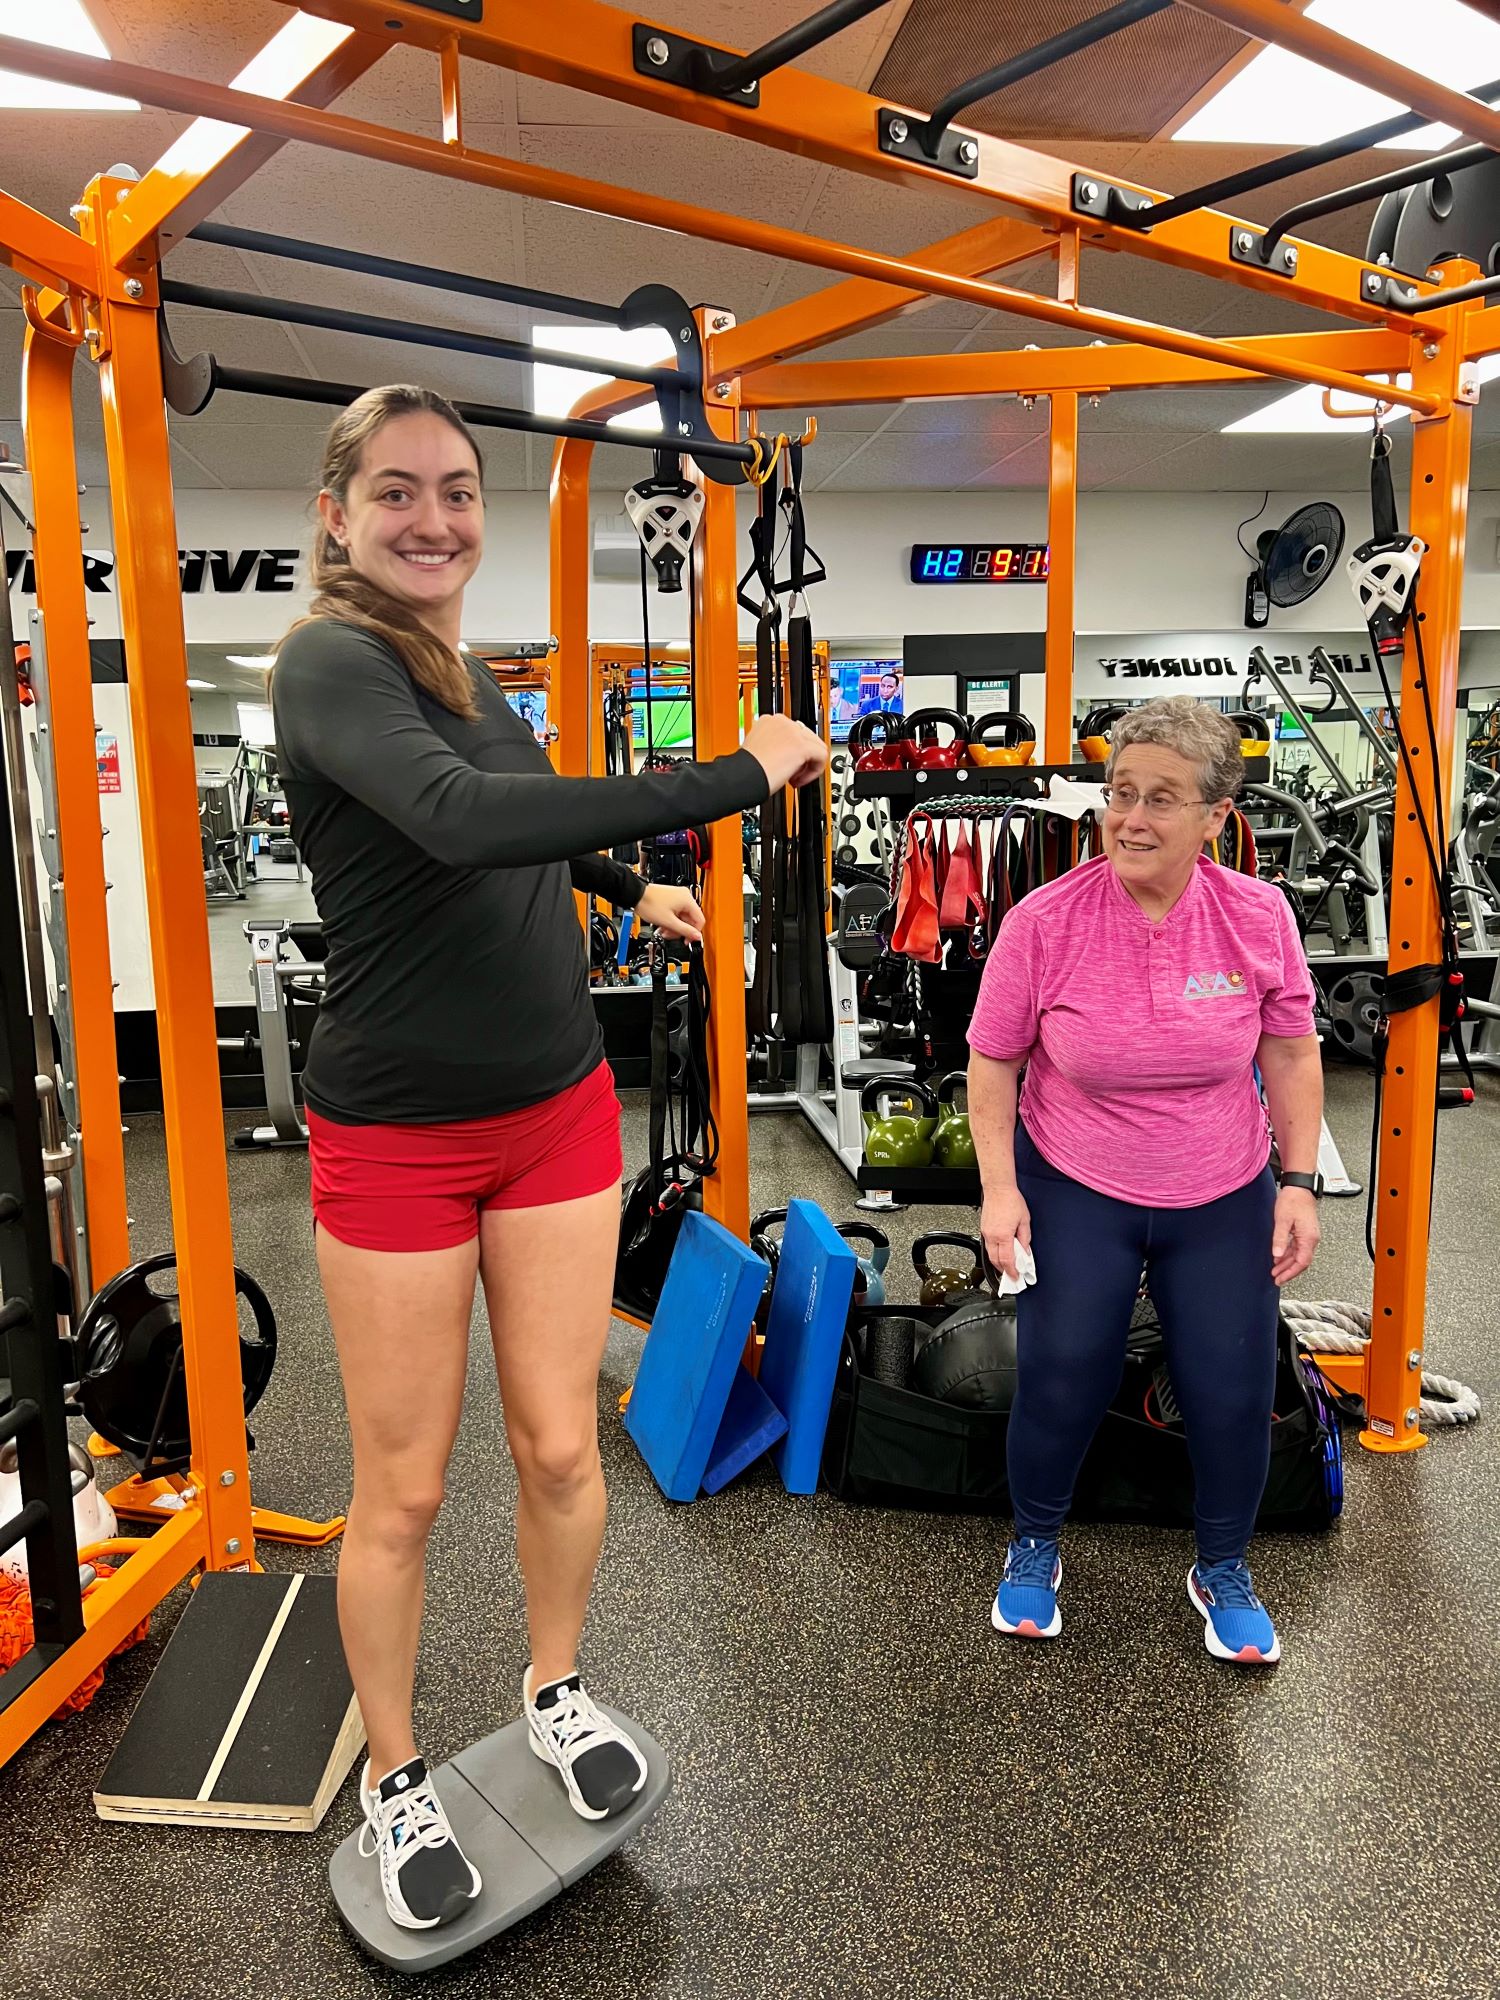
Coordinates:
<point>752,1424</point>
<point>804,1335</point>
<point>687,1366</point>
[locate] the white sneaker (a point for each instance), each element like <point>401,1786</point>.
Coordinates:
<point>426,1876</point>
<point>600,1766</point>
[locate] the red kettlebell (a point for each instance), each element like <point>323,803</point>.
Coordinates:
<point>932,754</point>
<point>894,753</point>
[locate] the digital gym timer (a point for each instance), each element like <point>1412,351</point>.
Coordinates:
<point>979,562</point>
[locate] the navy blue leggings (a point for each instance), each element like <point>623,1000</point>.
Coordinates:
<point>1209,1270</point>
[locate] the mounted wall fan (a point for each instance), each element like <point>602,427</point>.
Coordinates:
<point>1294,560</point>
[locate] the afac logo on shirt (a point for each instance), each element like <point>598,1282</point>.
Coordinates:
<point>1214,986</point>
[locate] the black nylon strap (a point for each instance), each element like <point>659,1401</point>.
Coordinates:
<point>660,1068</point>
<point>1384,520</point>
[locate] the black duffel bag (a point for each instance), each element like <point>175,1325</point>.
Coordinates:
<point>888,1446</point>
<point>1137,1468</point>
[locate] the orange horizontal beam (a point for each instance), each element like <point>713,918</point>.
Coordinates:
<point>212,159</point>
<point>41,251</point>
<point>1087,371</point>
<point>857,304</point>
<point>1273,21</point>
<point>587,45</point>
<point>328,129</point>
<point>111,1614</point>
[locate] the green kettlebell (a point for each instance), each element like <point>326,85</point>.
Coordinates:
<point>898,1137</point>
<point>946,1284</point>
<point>953,1142</point>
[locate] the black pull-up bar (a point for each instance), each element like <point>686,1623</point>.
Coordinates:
<point>254,305</point>
<point>337,258</point>
<point>1351,197</point>
<point>732,73</point>
<point>1071,41</point>
<point>191,384</point>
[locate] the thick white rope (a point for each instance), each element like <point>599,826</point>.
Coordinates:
<point>1331,1326</point>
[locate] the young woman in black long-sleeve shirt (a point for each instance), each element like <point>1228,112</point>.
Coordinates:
<point>462,1116</point>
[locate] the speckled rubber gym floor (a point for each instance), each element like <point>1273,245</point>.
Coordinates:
<point>875,1796</point>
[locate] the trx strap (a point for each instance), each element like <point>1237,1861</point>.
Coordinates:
<point>807,998</point>
<point>761,997</point>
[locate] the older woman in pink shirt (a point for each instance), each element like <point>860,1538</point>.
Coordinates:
<point>1140,994</point>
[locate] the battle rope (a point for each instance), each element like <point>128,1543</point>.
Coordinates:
<point>1329,1326</point>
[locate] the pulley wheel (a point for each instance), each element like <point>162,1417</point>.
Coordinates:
<point>128,1347</point>
<point>1356,1002</point>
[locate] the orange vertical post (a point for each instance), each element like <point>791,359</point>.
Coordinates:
<point>47,420</point>
<point>1062,539</point>
<point>1439,515</point>
<point>726,1194</point>
<point>571,463</point>
<point>146,572</point>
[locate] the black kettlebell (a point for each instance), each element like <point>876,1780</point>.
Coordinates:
<point>943,1284</point>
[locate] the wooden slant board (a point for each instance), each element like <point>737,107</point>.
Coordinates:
<point>249,1719</point>
<point>511,1816</point>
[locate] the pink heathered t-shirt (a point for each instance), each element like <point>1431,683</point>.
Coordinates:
<point>1140,1038</point>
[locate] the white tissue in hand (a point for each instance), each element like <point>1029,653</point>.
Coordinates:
<point>1025,1273</point>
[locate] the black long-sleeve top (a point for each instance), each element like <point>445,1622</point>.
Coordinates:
<point>443,854</point>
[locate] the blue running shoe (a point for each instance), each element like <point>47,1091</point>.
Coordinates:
<point>1236,1625</point>
<point>1026,1602</point>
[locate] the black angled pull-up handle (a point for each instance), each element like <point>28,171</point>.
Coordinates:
<point>1339,199</point>
<point>1288,165</point>
<point>1069,43</point>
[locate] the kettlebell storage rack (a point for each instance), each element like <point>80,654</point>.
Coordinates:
<point>995,781</point>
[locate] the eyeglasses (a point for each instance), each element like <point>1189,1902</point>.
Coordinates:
<point>1160,805</point>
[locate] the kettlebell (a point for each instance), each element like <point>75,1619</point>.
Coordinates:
<point>1093,733</point>
<point>869,1280</point>
<point>898,1138</point>
<point>930,753</point>
<point>1255,732</point>
<point>768,1247</point>
<point>953,1142</point>
<point>945,1284</point>
<point>893,753</point>
<point>1000,739</point>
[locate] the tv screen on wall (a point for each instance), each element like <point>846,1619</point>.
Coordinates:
<point>860,687</point>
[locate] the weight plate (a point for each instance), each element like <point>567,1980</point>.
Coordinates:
<point>129,1347</point>
<point>1355,1006</point>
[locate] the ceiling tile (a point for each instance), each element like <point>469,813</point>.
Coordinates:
<point>912,460</point>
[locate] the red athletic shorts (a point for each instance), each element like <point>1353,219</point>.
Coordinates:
<point>422,1187</point>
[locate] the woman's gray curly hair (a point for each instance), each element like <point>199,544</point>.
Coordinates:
<point>1205,736</point>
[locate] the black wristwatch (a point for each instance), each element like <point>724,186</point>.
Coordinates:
<point>1312,1182</point>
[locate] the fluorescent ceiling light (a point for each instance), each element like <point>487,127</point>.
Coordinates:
<point>59,24</point>
<point>1303,409</point>
<point>267,660</point>
<point>1281,99</point>
<point>554,391</point>
<point>207,686</point>
<point>293,52</point>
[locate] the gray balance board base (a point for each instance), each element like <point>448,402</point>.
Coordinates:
<point>512,1818</point>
